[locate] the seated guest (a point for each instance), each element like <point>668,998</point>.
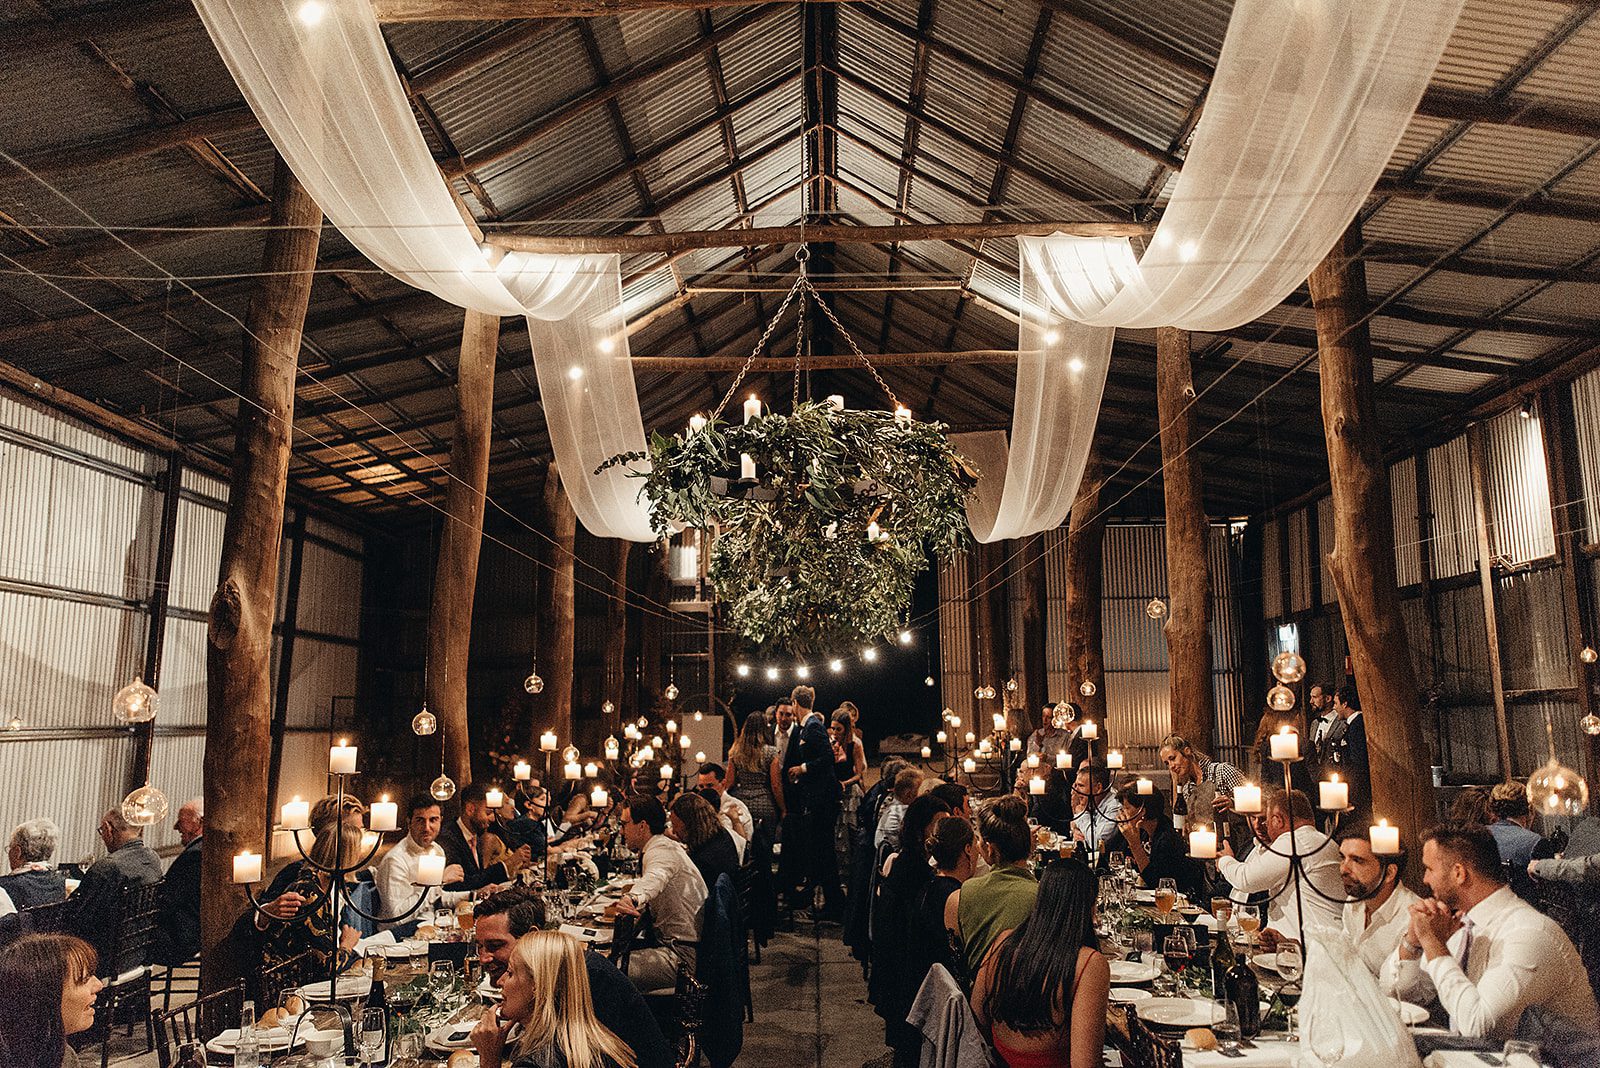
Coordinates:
<point>1512,827</point>
<point>332,807</point>
<point>1094,804</point>
<point>988,904</point>
<point>572,810</point>
<point>952,846</point>
<point>33,879</point>
<point>1055,807</point>
<point>396,873</point>
<point>176,937</point>
<point>712,798</point>
<point>1487,956</point>
<point>50,987</point>
<point>694,823</point>
<point>1373,924</point>
<point>505,917</point>
<point>892,978</point>
<point>525,823</point>
<point>302,917</point>
<point>128,862</point>
<point>956,797</point>
<point>1281,816</point>
<point>1471,805</point>
<point>670,885</point>
<point>1145,833</point>
<point>735,814</point>
<point>907,782</point>
<point>1043,990</point>
<point>546,996</point>
<point>468,844</point>
<point>1567,869</point>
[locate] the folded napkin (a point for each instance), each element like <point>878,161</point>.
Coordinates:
<point>382,938</point>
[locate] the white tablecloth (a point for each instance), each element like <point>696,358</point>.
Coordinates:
<point>1270,1052</point>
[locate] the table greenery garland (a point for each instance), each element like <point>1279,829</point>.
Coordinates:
<point>819,552</point>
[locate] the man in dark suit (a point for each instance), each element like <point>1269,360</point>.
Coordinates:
<point>466,841</point>
<point>177,933</point>
<point>820,794</point>
<point>1346,754</point>
<point>792,828</point>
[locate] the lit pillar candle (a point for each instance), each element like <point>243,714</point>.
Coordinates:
<point>430,869</point>
<point>971,737</point>
<point>590,770</point>
<point>547,742</point>
<point>874,531</point>
<point>955,721</point>
<point>1114,759</point>
<point>985,747</point>
<point>384,815</point>
<point>598,798</point>
<point>902,416</point>
<point>1285,744</point>
<point>752,408</point>
<point>1333,794</point>
<point>698,716</point>
<point>700,756</point>
<point>1036,786</point>
<point>295,815</point>
<point>494,797</point>
<point>629,732</point>
<point>927,752</point>
<point>655,741</point>
<point>1247,799</point>
<point>613,750</point>
<point>1144,787</point>
<point>836,401</point>
<point>647,753</point>
<point>522,770</point>
<point>1203,844</point>
<point>697,423</point>
<point>573,771</point>
<point>941,737</point>
<point>666,771</point>
<point>1091,730</point>
<point>1385,839</point>
<point>672,726</point>
<point>342,758</point>
<point>999,721</point>
<point>247,867</point>
<point>1015,745</point>
<point>1063,761</point>
<point>1033,760</point>
<point>683,742</point>
<point>969,765</point>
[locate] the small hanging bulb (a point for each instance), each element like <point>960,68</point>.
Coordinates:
<point>1280,698</point>
<point>1590,724</point>
<point>801,671</point>
<point>836,665</point>
<point>1087,688</point>
<point>1156,608</point>
<point>1588,656</point>
<point>1288,667</point>
<point>1011,685</point>
<point>772,674</point>
<point>135,703</point>
<point>671,692</point>
<point>906,637</point>
<point>742,670</point>
<point>869,654</point>
<point>533,683</point>
<point>144,806</point>
<point>424,723</point>
<point>607,708</point>
<point>443,788</point>
<point>928,681</point>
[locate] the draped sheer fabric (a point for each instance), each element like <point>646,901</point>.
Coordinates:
<point>320,79</point>
<point>1309,100</point>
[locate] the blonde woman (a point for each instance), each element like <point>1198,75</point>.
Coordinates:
<point>547,999</point>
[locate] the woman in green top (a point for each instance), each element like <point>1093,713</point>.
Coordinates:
<point>989,904</point>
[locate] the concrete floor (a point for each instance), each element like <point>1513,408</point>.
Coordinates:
<point>811,1009</point>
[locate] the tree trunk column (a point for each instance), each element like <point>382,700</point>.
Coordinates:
<point>562,522</point>
<point>239,635</point>
<point>1188,627</point>
<point>617,690</point>
<point>1030,575</point>
<point>455,576</point>
<point>1086,533</point>
<point>1362,560</point>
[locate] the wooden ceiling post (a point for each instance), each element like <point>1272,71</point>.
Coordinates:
<point>1362,561</point>
<point>1188,627</point>
<point>557,611</point>
<point>1028,572</point>
<point>455,573</point>
<point>616,689</point>
<point>1086,535</point>
<point>239,634</point>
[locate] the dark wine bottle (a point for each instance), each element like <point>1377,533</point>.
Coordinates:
<point>1244,990</point>
<point>1180,811</point>
<point>1221,961</point>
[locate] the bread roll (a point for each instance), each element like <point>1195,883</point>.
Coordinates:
<point>272,1017</point>
<point>294,1005</point>
<point>462,1058</point>
<point>1201,1037</point>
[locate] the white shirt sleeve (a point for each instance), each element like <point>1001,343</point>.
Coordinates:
<point>653,876</point>
<point>7,907</point>
<point>1263,869</point>
<point>1513,981</point>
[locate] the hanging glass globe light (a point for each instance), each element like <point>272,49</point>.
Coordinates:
<point>642,722</point>
<point>135,703</point>
<point>424,723</point>
<point>1011,685</point>
<point>698,716</point>
<point>671,692</point>
<point>144,807</point>
<point>1588,655</point>
<point>533,683</point>
<point>1590,724</point>
<point>15,724</point>
<point>978,692</point>
<point>928,681</point>
<point>1288,667</point>
<point>1280,698</point>
<point>1156,608</point>
<point>1557,791</point>
<point>569,755</point>
<point>443,788</point>
<point>607,708</point>
<point>1087,688</point>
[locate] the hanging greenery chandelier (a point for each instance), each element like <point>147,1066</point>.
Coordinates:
<point>822,518</point>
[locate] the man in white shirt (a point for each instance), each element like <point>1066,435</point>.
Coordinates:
<point>670,885</point>
<point>1489,957</point>
<point>396,873</point>
<point>1267,867</point>
<point>1374,924</point>
<point>732,812</point>
<point>1095,808</point>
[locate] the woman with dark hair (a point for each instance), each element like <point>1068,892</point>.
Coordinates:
<point>1043,989</point>
<point>893,980</point>
<point>51,987</point>
<point>692,821</point>
<point>753,772</point>
<point>1145,833</point>
<point>850,765</point>
<point>952,848</point>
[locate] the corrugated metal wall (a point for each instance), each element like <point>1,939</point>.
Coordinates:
<point>1519,489</point>
<point>77,563</point>
<point>1407,537</point>
<point>1454,538</point>
<point>1586,413</point>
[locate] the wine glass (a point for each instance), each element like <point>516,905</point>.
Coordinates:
<point>1327,1042</point>
<point>373,1028</point>
<point>1249,917</point>
<point>441,977</point>
<point>1289,994</point>
<point>1166,896</point>
<point>1175,951</point>
<point>1118,861</point>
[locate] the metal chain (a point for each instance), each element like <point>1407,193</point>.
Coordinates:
<point>802,336</point>
<point>806,282</point>
<point>761,343</point>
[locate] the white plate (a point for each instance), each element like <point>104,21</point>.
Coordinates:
<point>350,988</point>
<point>1410,1014</point>
<point>1180,1012</point>
<point>271,1040</point>
<point>599,936</point>
<point>1126,995</point>
<point>451,1036</point>
<point>1124,972</point>
<point>1266,961</point>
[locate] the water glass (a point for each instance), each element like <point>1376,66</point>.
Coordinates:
<point>373,1028</point>
<point>1226,1027</point>
<point>1327,1042</point>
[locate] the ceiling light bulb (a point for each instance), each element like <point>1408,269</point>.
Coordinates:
<point>869,653</point>
<point>574,372</point>
<point>802,672</point>
<point>772,674</point>
<point>607,345</point>
<point>905,637</point>
<point>312,12</point>
<point>836,666</point>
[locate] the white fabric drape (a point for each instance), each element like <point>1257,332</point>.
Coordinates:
<point>1309,100</point>
<point>319,77</point>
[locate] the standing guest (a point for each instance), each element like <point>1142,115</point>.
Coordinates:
<point>468,844</point>
<point>753,773</point>
<point>670,885</point>
<point>1282,815</point>
<point>791,808</point>
<point>1096,808</point>
<point>1001,899</point>
<point>1272,721</point>
<point>1486,955</point>
<point>1347,748</point>
<point>693,821</point>
<point>503,918</point>
<point>176,937</point>
<point>1375,922</point>
<point>850,765</point>
<point>818,791</point>
<point>1043,991</point>
<point>784,726</point>
<point>50,986</point>
<point>1145,833</point>
<point>1513,827</point>
<point>734,813</point>
<point>128,862</point>
<point>305,920</point>
<point>1322,718</point>
<point>892,979</point>
<point>396,873</point>
<point>33,879</point>
<point>1053,734</point>
<point>1206,785</point>
<point>545,993</point>
<point>907,783</point>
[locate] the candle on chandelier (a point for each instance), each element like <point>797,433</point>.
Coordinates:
<point>590,770</point>
<point>700,756</point>
<point>1385,839</point>
<point>1203,843</point>
<point>969,765</point>
<point>1033,760</point>
<point>1114,760</point>
<point>1144,787</point>
<point>874,532</point>
<point>747,467</point>
<point>672,726</point>
<point>1247,799</point>
<point>430,869</point>
<point>342,758</point>
<point>384,815</point>
<point>1333,794</point>
<point>902,416</point>
<point>1015,745</point>
<point>295,815</point>
<point>941,737</point>
<point>927,752</point>
<point>547,742</point>
<point>573,771</point>
<point>522,771</point>
<point>1286,744</point>
<point>612,749</point>
<point>494,797</point>
<point>647,753</point>
<point>999,719</point>
<point>697,423</point>
<point>836,401</point>
<point>971,737</point>
<point>1036,786</point>
<point>683,741</point>
<point>247,867</point>
<point>985,747</point>
<point>752,408</point>
<point>598,798</point>
<point>1063,761</point>
<point>1090,731</point>
<point>666,771</point>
